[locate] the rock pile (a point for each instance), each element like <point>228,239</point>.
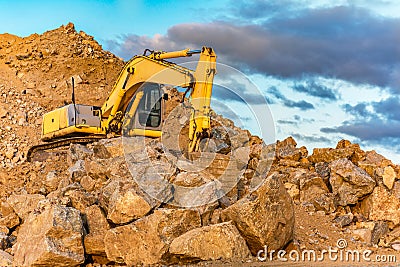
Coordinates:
<point>134,200</point>
<point>99,213</point>
<point>359,189</point>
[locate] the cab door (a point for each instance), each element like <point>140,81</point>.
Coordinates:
<point>146,109</point>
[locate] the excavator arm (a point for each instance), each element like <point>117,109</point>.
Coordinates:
<point>201,98</point>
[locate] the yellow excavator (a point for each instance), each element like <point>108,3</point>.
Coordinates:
<point>137,102</point>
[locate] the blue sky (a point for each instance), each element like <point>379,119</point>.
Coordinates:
<point>328,69</point>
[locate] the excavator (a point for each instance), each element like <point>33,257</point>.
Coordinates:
<point>137,102</point>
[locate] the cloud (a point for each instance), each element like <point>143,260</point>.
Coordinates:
<point>288,122</point>
<point>360,110</point>
<point>312,138</point>
<point>296,120</point>
<point>303,105</point>
<point>313,89</point>
<point>374,129</point>
<point>255,9</point>
<point>373,123</point>
<point>344,42</point>
<point>236,91</point>
<point>387,109</point>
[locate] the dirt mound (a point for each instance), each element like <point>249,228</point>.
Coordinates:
<point>35,75</point>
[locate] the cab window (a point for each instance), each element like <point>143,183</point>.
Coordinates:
<point>149,109</point>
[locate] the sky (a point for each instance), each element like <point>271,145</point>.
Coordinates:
<point>329,70</point>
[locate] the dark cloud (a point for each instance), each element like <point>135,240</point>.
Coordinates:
<point>261,9</point>
<point>373,123</point>
<point>313,89</point>
<point>360,110</point>
<point>311,138</point>
<point>288,122</point>
<point>303,105</point>
<point>341,42</point>
<point>276,93</point>
<point>371,130</point>
<point>238,93</point>
<point>387,109</point>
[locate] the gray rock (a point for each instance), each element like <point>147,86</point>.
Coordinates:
<point>380,229</point>
<point>344,220</point>
<point>77,170</point>
<point>349,182</point>
<point>78,152</point>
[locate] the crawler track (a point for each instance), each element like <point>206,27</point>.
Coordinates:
<point>62,142</point>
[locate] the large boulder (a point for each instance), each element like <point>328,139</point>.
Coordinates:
<point>52,237</point>
<point>23,204</point>
<point>215,242</point>
<point>349,182</point>
<point>146,241</point>
<point>78,197</point>
<point>266,216</point>
<point>97,227</point>
<point>381,205</point>
<point>389,177</point>
<point>126,206</point>
<point>315,191</point>
<point>311,189</point>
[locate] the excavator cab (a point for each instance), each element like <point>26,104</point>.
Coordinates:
<point>144,113</point>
